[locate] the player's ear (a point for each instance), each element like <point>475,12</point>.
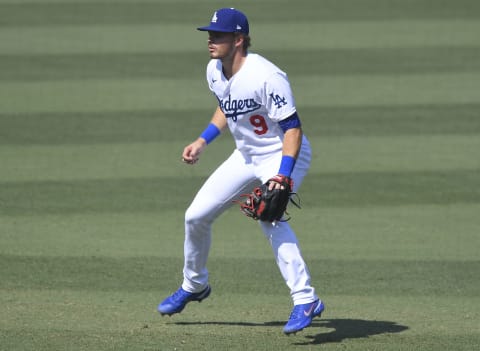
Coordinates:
<point>239,39</point>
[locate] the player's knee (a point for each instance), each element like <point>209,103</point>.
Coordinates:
<point>195,217</point>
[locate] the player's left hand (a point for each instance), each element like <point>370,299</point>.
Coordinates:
<point>269,201</point>
<point>279,182</point>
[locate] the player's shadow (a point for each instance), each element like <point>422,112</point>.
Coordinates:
<point>349,329</point>
<point>342,329</point>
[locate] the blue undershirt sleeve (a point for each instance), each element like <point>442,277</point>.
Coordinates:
<point>291,122</point>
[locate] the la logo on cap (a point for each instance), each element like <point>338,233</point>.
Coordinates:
<point>214,18</point>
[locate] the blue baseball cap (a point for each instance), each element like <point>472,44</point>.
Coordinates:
<point>227,20</point>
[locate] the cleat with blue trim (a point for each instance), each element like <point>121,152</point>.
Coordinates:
<point>176,302</point>
<point>302,316</point>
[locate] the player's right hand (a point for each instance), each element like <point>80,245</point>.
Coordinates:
<point>192,151</point>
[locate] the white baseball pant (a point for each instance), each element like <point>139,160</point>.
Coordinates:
<point>235,176</point>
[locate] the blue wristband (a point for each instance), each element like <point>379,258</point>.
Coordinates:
<point>286,166</point>
<point>210,133</point>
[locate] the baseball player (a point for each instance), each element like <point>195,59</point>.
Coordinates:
<point>255,102</point>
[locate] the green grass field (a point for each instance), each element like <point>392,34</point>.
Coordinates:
<point>97,101</point>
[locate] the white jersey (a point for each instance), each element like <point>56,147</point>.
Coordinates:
<point>254,100</point>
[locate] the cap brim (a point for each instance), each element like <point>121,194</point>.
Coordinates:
<point>213,29</point>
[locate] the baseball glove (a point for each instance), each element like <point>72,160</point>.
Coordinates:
<point>269,205</point>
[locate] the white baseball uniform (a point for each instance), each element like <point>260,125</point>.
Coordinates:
<point>254,100</point>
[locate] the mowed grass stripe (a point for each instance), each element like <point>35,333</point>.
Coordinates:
<point>387,90</point>
<point>61,13</point>
<point>102,127</point>
<point>163,125</point>
<point>312,91</point>
<point>392,120</point>
<point>155,194</point>
<point>407,233</point>
<point>373,61</point>
<point>393,278</point>
<point>331,155</point>
<point>397,233</point>
<point>296,62</point>
<point>159,37</point>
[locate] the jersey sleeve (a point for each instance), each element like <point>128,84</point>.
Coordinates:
<point>279,100</point>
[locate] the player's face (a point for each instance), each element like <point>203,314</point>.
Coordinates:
<point>221,45</point>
